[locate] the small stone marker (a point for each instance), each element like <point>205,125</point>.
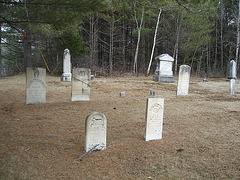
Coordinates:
<point>35,86</point>
<point>67,75</point>
<point>95,131</point>
<point>154,118</point>
<point>183,80</point>
<point>152,93</point>
<point>232,86</point>
<point>122,94</point>
<point>232,70</point>
<point>81,84</point>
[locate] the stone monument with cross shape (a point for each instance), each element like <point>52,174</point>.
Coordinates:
<point>80,89</point>
<point>95,131</point>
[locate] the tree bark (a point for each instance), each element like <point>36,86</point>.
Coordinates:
<point>139,27</point>
<point>238,36</point>
<point>179,21</point>
<point>111,47</point>
<point>27,50</point>
<point>154,41</point>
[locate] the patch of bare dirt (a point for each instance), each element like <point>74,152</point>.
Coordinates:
<point>201,138</point>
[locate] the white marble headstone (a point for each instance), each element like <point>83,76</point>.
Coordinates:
<point>95,131</point>
<point>163,72</point>
<point>154,119</point>
<point>35,86</point>
<point>232,86</point>
<point>67,75</point>
<point>81,84</point>
<point>183,80</point>
<point>232,70</point>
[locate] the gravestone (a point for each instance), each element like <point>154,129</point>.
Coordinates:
<point>183,80</point>
<point>232,70</point>
<point>67,75</point>
<point>154,118</point>
<point>35,86</point>
<point>95,131</point>
<point>232,86</point>
<point>163,72</point>
<point>122,94</point>
<point>152,93</point>
<point>81,84</point>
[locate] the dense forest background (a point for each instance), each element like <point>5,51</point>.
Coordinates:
<point>119,36</point>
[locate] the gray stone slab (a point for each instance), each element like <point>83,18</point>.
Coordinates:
<point>95,131</point>
<point>35,86</point>
<point>80,90</point>
<point>154,118</point>
<point>183,80</point>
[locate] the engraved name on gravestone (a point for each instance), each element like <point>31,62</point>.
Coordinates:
<point>67,75</point>
<point>154,118</point>
<point>183,80</point>
<point>81,84</point>
<point>95,131</point>
<point>35,86</point>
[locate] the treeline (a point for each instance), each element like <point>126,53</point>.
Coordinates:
<point>118,36</point>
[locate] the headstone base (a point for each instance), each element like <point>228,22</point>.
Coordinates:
<point>66,77</point>
<point>80,98</point>
<point>167,79</point>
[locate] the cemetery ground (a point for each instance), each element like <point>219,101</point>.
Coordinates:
<point>201,131</point>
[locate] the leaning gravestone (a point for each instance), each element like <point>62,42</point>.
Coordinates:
<point>67,75</point>
<point>232,86</point>
<point>232,70</point>
<point>95,132</point>
<point>35,86</point>
<point>81,84</point>
<point>183,80</point>
<point>154,119</point>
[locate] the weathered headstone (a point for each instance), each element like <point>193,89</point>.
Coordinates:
<point>232,86</point>
<point>152,93</point>
<point>67,75</point>
<point>95,131</point>
<point>183,80</point>
<point>154,119</point>
<point>163,72</point>
<point>122,94</point>
<point>232,70</point>
<point>81,84</point>
<point>35,86</point>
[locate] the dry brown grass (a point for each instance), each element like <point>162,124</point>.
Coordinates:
<point>201,136</point>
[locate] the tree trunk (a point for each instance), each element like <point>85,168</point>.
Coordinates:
<point>221,35</point>
<point>154,41</point>
<point>179,21</point>
<point>27,50</point>
<point>123,47</point>
<point>238,36</point>
<point>135,68</point>
<point>111,47</point>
